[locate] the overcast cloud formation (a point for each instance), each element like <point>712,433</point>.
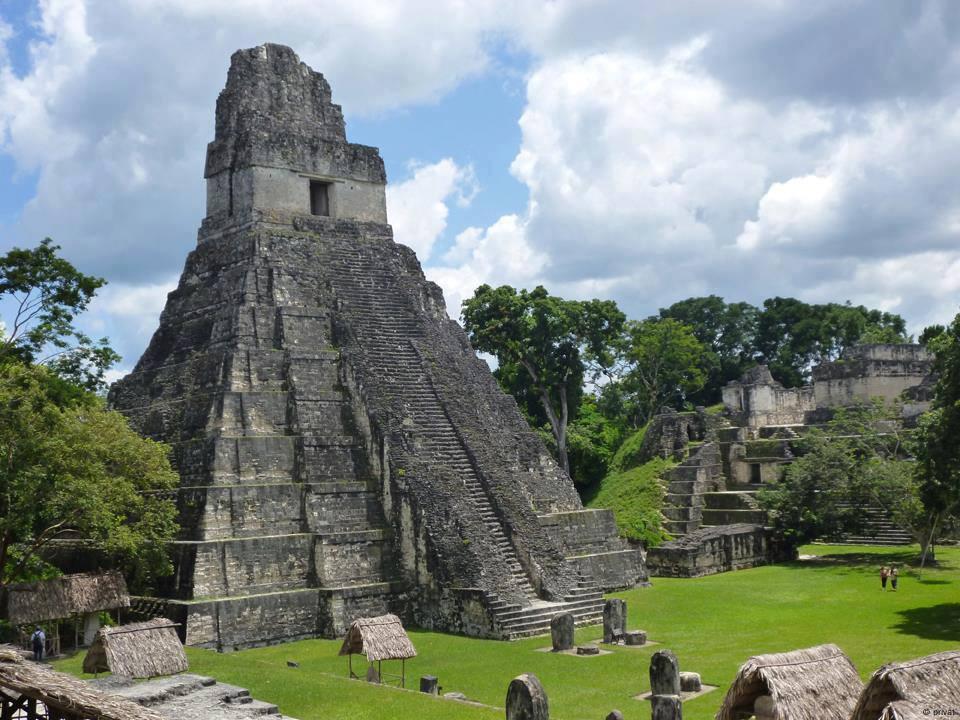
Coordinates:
<point>666,149</point>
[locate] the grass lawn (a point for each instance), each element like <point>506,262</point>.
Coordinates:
<point>712,623</point>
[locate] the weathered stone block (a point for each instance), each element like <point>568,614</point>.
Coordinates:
<point>666,707</point>
<point>588,650</point>
<point>635,637</point>
<point>561,632</point>
<point>614,620</point>
<point>664,673</point>
<point>615,715</point>
<point>429,685</point>
<point>690,682</point>
<point>526,699</point>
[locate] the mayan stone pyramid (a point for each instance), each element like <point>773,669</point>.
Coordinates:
<point>342,451</point>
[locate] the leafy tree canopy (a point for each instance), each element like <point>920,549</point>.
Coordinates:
<point>557,343</point>
<point>858,460</point>
<point>787,334</point>
<point>663,364</point>
<point>77,471</point>
<point>44,293</point>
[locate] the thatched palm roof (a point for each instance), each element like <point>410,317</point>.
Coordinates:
<point>818,683</point>
<point>65,596</point>
<point>139,650</point>
<point>902,691</point>
<point>379,638</point>
<point>65,693</point>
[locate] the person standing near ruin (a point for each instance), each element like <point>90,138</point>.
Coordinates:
<point>38,640</point>
<point>894,576</point>
<point>884,574</point>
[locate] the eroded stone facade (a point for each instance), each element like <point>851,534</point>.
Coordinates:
<point>342,450</point>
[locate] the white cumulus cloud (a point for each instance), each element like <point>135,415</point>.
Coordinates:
<point>417,207</point>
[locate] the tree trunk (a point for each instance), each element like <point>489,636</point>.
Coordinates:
<point>558,425</point>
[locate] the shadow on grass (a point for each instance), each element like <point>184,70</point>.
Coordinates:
<point>937,622</point>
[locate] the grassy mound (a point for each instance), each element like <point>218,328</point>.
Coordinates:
<point>633,491</point>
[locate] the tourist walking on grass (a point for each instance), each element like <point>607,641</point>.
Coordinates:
<point>38,640</point>
<point>894,576</point>
<point>884,574</point>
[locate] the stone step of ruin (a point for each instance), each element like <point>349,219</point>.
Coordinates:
<point>540,624</point>
<point>878,528</point>
<point>188,696</point>
<point>680,527</point>
<point>730,499</point>
<point>691,487</point>
<point>684,499</point>
<point>546,609</point>
<point>733,517</point>
<point>682,513</point>
<point>878,541</point>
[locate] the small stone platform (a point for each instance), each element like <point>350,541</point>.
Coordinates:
<point>190,697</point>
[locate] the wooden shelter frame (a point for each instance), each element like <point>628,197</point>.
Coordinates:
<point>400,680</point>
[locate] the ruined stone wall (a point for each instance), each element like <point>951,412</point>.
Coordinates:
<point>757,399</point>
<point>713,550</point>
<point>866,372</point>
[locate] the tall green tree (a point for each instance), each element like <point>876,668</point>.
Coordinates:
<point>664,364</point>
<point>727,331</point>
<point>43,294</point>
<point>77,471</point>
<point>938,446</point>
<point>557,343</point>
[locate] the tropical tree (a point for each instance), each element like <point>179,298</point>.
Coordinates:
<point>938,450</point>
<point>664,364</point>
<point>859,459</point>
<point>546,343</point>
<point>727,332</point>
<point>79,472</point>
<point>44,294</point>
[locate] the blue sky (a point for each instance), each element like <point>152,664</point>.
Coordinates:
<point>645,151</point>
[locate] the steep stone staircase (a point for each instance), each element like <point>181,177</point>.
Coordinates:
<point>878,529</point>
<point>731,507</point>
<point>389,336</point>
<point>515,621</point>
<point>687,486</point>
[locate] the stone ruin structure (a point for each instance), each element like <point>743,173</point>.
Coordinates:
<point>863,373</point>
<point>342,451</point>
<point>871,371</point>
<point>757,399</point>
<point>710,505</point>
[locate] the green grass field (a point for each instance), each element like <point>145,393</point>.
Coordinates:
<point>712,623</point>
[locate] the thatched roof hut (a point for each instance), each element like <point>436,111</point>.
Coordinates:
<point>379,638</point>
<point>139,650</point>
<point>71,697</point>
<point>65,596</point>
<point>818,683</point>
<point>903,691</point>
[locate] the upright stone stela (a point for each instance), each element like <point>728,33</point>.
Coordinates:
<point>342,450</point>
